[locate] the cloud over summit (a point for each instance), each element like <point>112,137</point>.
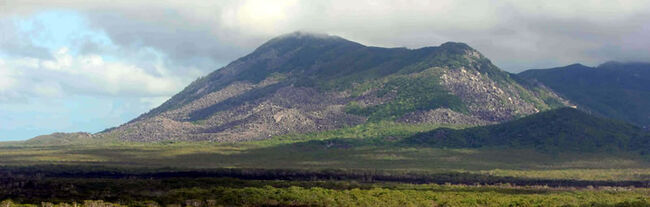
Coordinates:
<point>149,50</point>
<point>545,33</point>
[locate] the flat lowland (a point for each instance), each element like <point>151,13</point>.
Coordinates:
<point>365,147</point>
<point>365,165</point>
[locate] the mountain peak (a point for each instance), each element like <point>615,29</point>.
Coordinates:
<point>303,34</point>
<point>456,45</point>
<point>300,39</point>
<point>461,48</point>
<point>577,66</point>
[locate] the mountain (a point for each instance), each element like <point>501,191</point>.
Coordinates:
<point>564,129</point>
<point>613,89</point>
<point>64,139</point>
<point>302,82</point>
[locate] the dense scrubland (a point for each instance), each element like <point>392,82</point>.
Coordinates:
<point>208,191</point>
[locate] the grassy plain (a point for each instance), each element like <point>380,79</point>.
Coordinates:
<point>345,156</point>
<point>373,146</point>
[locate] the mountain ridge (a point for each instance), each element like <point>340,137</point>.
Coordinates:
<point>613,89</point>
<point>563,129</point>
<point>290,41</point>
<point>302,82</point>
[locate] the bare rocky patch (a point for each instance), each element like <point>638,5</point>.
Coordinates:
<point>484,97</point>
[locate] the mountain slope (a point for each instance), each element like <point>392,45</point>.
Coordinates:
<point>64,139</point>
<point>303,82</point>
<point>616,90</point>
<point>564,129</point>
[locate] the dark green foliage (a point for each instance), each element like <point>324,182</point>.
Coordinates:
<point>292,177</point>
<point>616,90</point>
<point>564,129</point>
<point>363,133</point>
<point>301,188</point>
<point>411,94</point>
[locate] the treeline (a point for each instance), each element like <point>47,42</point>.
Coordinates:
<point>235,192</point>
<point>359,175</point>
<point>54,185</point>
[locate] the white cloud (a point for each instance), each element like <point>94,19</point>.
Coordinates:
<point>49,89</point>
<point>83,75</point>
<point>6,81</point>
<point>258,16</point>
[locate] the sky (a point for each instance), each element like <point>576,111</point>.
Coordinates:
<point>84,65</point>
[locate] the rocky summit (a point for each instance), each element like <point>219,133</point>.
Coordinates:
<point>302,82</point>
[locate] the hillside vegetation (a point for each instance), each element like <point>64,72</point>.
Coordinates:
<point>616,90</point>
<point>564,129</point>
